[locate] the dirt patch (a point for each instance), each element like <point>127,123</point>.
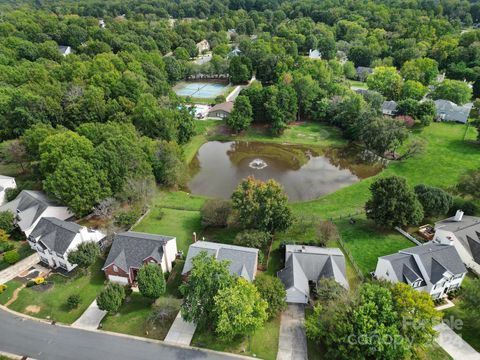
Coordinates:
<point>33,309</point>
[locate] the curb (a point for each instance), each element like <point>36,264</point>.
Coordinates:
<point>14,356</point>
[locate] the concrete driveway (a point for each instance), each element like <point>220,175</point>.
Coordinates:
<point>454,345</point>
<point>23,265</point>
<point>181,332</point>
<point>91,318</point>
<point>292,343</point>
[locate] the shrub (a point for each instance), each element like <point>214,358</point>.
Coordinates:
<point>39,280</point>
<point>111,297</point>
<point>325,231</point>
<point>6,246</point>
<point>6,221</point>
<point>151,281</point>
<point>73,301</point>
<point>3,287</point>
<point>11,193</point>
<point>126,219</point>
<point>271,290</point>
<point>11,257</point>
<point>30,283</point>
<point>329,290</point>
<point>468,207</point>
<point>261,258</point>
<point>252,238</point>
<point>215,213</point>
<point>85,254</point>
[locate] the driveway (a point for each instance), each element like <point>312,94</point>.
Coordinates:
<point>181,332</point>
<point>42,341</point>
<point>12,271</point>
<point>91,318</point>
<point>292,343</point>
<point>454,345</point>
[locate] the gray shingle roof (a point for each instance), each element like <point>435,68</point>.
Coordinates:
<point>130,249</point>
<point>243,260</point>
<point>450,111</point>
<point>467,231</point>
<point>389,106</point>
<point>55,234</point>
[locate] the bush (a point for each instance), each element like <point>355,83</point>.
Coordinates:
<point>126,219</point>
<point>111,297</point>
<point>261,258</point>
<point>39,280</point>
<point>252,238</point>
<point>11,193</point>
<point>6,221</point>
<point>30,283</point>
<point>73,301</point>
<point>151,281</point>
<point>329,290</point>
<point>271,290</point>
<point>468,207</point>
<point>3,287</point>
<point>215,213</point>
<point>6,246</point>
<point>11,257</point>
<point>325,231</point>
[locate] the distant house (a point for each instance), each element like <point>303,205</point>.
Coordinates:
<point>253,38</point>
<point>314,54</point>
<point>101,23</point>
<point>463,232</point>
<point>363,72</point>
<point>389,108</point>
<point>53,239</point>
<point>64,50</point>
<point>449,111</point>
<point>231,33</point>
<point>29,207</point>
<point>221,110</point>
<point>243,260</point>
<point>131,250</point>
<point>203,46</point>
<point>306,265</point>
<point>434,268</point>
<point>342,57</point>
<point>234,52</point>
<point>6,182</point>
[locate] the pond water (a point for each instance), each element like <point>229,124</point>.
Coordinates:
<point>306,173</point>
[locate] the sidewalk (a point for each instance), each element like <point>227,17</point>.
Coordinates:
<point>12,271</point>
<point>181,332</point>
<point>91,318</point>
<point>454,345</point>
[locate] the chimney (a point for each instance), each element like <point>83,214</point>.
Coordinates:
<point>458,216</point>
<point>194,237</point>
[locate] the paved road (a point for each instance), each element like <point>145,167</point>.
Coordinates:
<point>22,336</point>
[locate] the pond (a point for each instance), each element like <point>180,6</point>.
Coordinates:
<point>305,172</point>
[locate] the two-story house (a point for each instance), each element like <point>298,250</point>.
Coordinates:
<point>131,250</point>
<point>53,239</point>
<point>434,268</point>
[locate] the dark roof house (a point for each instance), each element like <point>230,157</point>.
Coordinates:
<point>389,108</point>
<point>449,111</point>
<point>221,110</point>
<point>363,72</point>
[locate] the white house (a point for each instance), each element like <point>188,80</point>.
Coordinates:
<point>53,239</point>
<point>203,46</point>
<point>6,182</point>
<point>463,232</point>
<point>131,250</point>
<point>434,268</point>
<point>29,207</point>
<point>314,54</point>
<point>64,50</point>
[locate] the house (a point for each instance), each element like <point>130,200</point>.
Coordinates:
<point>363,72</point>
<point>243,260</point>
<point>101,23</point>
<point>131,250</point>
<point>306,265</point>
<point>6,182</point>
<point>342,57</point>
<point>463,232</point>
<point>314,54</point>
<point>221,110</point>
<point>434,268</point>
<point>389,108</point>
<point>203,46</point>
<point>232,34</point>
<point>53,239</point>
<point>29,207</point>
<point>449,111</point>
<point>234,52</point>
<point>64,50</point>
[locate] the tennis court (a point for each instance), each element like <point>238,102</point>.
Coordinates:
<point>201,90</point>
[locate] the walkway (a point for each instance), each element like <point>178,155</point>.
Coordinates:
<point>181,332</point>
<point>40,340</point>
<point>12,271</point>
<point>292,343</point>
<point>91,318</point>
<point>454,345</point>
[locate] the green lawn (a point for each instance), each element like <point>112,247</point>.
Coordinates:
<point>23,249</point>
<point>263,344</point>
<point>51,303</point>
<point>12,285</point>
<point>358,84</point>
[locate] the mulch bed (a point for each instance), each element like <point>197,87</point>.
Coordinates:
<point>42,287</point>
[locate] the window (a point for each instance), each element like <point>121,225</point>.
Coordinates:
<point>115,268</point>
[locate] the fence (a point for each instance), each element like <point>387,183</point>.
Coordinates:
<point>350,257</point>
<point>408,236</point>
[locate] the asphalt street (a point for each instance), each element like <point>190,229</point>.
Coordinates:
<point>42,341</point>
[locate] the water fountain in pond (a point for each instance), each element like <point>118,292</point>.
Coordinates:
<point>257,164</point>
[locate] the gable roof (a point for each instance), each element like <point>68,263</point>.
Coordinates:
<point>292,276</point>
<point>130,249</point>
<point>427,262</point>
<point>55,234</point>
<point>28,206</point>
<point>243,260</point>
<point>450,111</point>
<point>389,106</point>
<point>467,231</point>
<point>225,106</point>
<point>364,70</point>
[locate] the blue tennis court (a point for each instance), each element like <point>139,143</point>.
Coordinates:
<point>202,90</point>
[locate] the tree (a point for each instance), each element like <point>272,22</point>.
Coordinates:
<point>11,257</point>
<point>435,201</point>
<point>241,115</point>
<point>470,297</point>
<point>207,277</point>
<point>262,205</point>
<point>111,297</point>
<point>393,203</point>
<point>272,290</point>
<point>84,255</point>
<point>168,164</point>
<point>412,89</point>
<point>382,134</point>
<point>240,70</point>
<point>153,121</point>
<point>329,290</point>
<point>7,221</point>
<point>325,231</point>
<point>424,70</point>
<point>73,301</point>
<point>78,184</point>
<point>468,185</point>
<point>280,107</point>
<point>457,91</point>
<point>386,81</point>
<point>215,213</point>
<point>151,281</point>
<point>252,238</point>
<point>239,309</point>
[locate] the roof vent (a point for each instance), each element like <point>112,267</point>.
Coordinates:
<point>458,216</point>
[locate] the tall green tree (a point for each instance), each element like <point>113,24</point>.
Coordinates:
<point>457,91</point>
<point>240,70</point>
<point>84,255</point>
<point>241,115</point>
<point>424,70</point>
<point>272,290</point>
<point>151,281</point>
<point>386,81</point>
<point>111,297</point>
<point>435,201</point>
